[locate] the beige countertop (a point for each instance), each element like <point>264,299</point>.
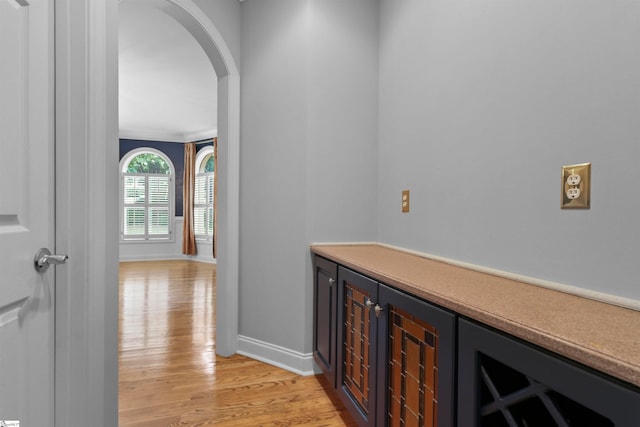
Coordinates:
<point>600,335</point>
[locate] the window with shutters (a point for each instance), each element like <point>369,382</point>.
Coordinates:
<point>146,196</point>
<point>203,209</point>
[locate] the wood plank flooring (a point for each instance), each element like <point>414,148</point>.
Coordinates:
<point>171,376</point>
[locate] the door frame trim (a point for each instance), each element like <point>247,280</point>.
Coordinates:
<point>86,326</point>
<point>86,104</point>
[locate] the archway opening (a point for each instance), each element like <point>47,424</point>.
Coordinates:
<point>209,38</point>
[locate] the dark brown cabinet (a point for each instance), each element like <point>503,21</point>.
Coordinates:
<point>395,355</point>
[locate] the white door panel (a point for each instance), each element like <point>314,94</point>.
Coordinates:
<point>26,211</point>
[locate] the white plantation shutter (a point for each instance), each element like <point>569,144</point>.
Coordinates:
<point>199,212</point>
<point>146,196</point>
<point>203,206</point>
<point>146,202</point>
<point>158,208</point>
<point>134,188</point>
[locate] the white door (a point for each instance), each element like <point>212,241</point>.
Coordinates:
<point>26,212</point>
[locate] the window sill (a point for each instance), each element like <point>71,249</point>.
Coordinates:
<point>146,241</point>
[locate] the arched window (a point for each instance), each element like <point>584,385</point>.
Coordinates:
<point>203,209</point>
<point>146,196</point>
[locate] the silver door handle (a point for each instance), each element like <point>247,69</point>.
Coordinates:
<point>43,259</point>
<point>378,310</point>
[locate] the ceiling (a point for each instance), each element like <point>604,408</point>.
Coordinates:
<point>168,87</point>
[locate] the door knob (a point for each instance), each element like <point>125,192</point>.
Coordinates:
<point>43,259</point>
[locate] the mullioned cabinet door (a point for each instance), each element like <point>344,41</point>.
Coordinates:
<point>357,345</point>
<point>416,357</point>
<point>325,316</point>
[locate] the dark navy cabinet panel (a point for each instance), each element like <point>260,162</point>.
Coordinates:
<point>325,316</point>
<point>396,355</point>
<point>503,381</point>
<point>397,360</point>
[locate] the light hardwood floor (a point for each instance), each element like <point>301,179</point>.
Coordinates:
<point>171,376</point>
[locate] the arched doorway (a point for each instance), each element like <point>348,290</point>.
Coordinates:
<point>196,22</point>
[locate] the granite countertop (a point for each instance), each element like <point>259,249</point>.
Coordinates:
<point>600,335</point>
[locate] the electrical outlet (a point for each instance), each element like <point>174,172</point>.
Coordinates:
<point>574,180</point>
<point>573,193</point>
<point>576,186</point>
<point>405,201</point>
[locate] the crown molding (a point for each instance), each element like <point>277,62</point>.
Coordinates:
<point>167,136</point>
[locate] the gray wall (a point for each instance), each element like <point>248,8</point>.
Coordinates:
<point>308,152</point>
<point>272,174</point>
<point>225,16</point>
<point>481,103</point>
<point>473,106</point>
<point>342,141</point>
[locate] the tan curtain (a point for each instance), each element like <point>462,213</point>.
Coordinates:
<point>189,183</point>
<point>215,196</point>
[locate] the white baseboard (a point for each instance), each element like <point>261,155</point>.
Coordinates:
<point>201,259</point>
<point>293,361</point>
<point>166,257</point>
<point>150,257</point>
